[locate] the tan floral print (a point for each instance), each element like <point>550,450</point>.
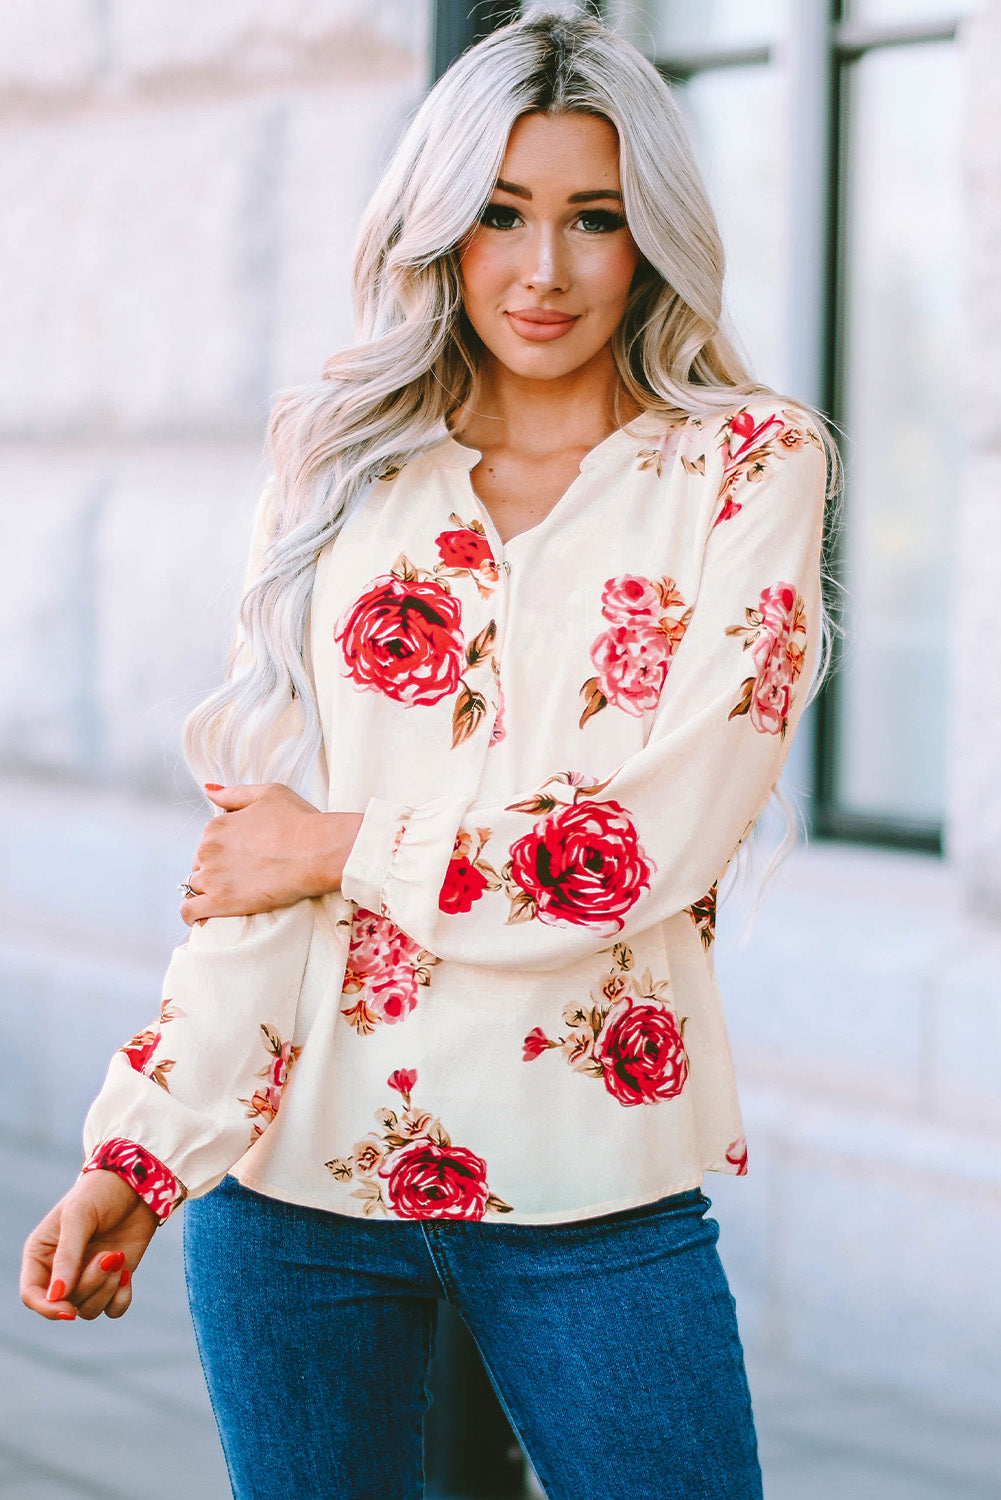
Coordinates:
<point>627,1035</point>
<point>262,1106</point>
<point>410,1169</point>
<point>749,448</point>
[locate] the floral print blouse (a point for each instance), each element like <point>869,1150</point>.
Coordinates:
<point>509,1012</point>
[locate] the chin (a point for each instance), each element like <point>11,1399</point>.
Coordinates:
<point>542,361</point>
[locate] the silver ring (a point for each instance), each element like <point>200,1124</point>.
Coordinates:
<point>186,889</point>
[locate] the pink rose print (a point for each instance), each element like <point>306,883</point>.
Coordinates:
<point>582,863</point>
<point>749,448</point>
<point>383,975</point>
<point>498,732</point>
<point>403,638</point>
<point>262,1106</point>
<point>632,665</point>
<point>776,635</point>
<point>736,1157</point>
<point>393,998</point>
<point>412,1170</point>
<point>633,657</point>
<point>142,1049</point>
<point>626,1034</point>
<point>630,597</point>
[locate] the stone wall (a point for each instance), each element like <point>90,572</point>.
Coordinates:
<point>180,187</point>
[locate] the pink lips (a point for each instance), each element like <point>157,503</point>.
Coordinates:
<point>540,324</point>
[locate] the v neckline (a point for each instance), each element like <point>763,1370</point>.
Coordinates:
<point>638,427</point>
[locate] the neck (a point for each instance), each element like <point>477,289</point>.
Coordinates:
<point>541,417</point>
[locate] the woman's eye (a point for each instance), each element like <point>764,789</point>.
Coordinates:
<point>500,216</point>
<point>600,221</point>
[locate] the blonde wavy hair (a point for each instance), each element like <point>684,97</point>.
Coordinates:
<point>383,401</point>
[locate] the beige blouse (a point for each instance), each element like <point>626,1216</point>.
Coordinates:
<point>510,1011</point>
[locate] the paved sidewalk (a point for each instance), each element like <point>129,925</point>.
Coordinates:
<point>117,1411</point>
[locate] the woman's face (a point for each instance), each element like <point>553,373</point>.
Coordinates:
<point>546,273</point>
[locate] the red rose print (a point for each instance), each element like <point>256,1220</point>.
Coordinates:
<point>582,864</point>
<point>145,1174</point>
<point>403,1081</point>
<point>749,448</point>
<point>641,1053</point>
<point>535,1044</point>
<point>703,914</point>
<point>426,1181</point>
<point>463,549</point>
<point>412,1170</point>
<point>736,1155</point>
<point>403,639</point>
<point>463,884</point>
<point>141,1049</point>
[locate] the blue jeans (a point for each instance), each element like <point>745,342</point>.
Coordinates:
<point>612,1344</point>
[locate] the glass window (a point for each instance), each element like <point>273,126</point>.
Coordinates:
<point>899,369</point>
<point>900,12</point>
<point>744,173</point>
<point>662,27</point>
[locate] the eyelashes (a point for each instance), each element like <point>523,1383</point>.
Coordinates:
<point>590,220</point>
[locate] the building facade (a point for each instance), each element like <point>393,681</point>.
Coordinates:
<point>181,187</point>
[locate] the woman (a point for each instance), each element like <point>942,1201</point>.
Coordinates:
<point>533,609</point>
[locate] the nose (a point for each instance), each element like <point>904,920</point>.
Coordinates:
<point>546,267</point>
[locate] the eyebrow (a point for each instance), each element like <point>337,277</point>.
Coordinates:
<point>591,196</point>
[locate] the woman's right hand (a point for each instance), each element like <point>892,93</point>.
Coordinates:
<point>80,1258</point>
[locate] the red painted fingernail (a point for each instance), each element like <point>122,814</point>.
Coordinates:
<point>113,1261</point>
<point>56,1292</point>
<point>66,1317</point>
<point>212,786</point>
<point>126,1276</point>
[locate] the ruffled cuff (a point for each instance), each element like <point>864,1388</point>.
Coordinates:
<point>400,853</point>
<point>156,1184</point>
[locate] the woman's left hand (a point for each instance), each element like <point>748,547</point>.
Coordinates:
<point>271,849</point>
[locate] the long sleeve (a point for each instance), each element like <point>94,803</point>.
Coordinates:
<point>565,868</point>
<point>188,1095</point>
<point>196,1088</point>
